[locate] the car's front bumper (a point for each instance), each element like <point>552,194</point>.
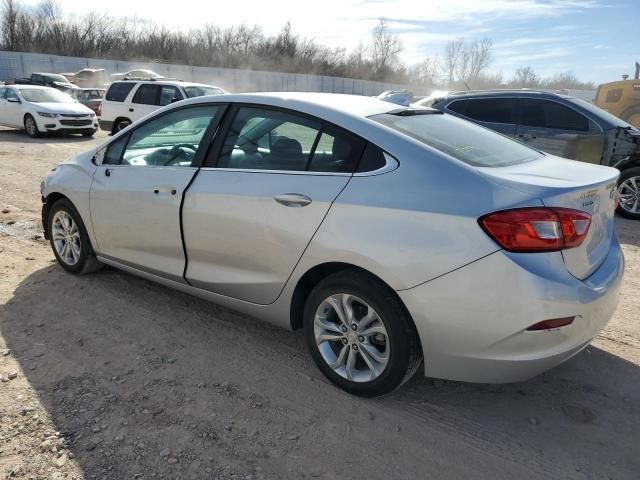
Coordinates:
<point>472,322</point>
<point>67,125</point>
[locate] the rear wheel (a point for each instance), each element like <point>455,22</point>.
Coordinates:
<point>69,240</point>
<point>31,126</point>
<point>359,334</point>
<point>629,193</point>
<point>121,124</point>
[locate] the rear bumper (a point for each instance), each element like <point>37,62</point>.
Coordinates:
<point>472,322</point>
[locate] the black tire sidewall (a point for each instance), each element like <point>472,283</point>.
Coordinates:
<point>624,175</point>
<point>400,330</point>
<point>85,247</point>
<point>37,132</point>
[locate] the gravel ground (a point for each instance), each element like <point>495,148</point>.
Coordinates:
<point>109,376</point>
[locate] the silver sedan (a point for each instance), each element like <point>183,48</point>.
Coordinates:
<point>393,236</point>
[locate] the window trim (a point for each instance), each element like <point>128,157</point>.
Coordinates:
<point>590,120</point>
<point>391,164</point>
<point>492,97</point>
<point>213,155</point>
<point>203,147</point>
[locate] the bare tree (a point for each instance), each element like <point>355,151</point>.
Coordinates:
<point>386,46</point>
<point>424,72</point>
<point>452,54</point>
<point>525,77</point>
<point>9,25</point>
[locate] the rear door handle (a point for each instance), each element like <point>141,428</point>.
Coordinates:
<point>293,200</point>
<point>131,109</point>
<point>527,136</point>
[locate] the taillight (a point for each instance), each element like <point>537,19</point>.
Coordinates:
<point>537,229</point>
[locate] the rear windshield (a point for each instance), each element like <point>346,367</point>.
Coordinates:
<point>460,139</point>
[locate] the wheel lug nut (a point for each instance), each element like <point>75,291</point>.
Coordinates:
<point>354,346</point>
<point>345,341</point>
<point>354,327</point>
<point>344,328</point>
<point>360,338</point>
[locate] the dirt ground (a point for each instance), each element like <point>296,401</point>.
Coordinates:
<point>120,378</point>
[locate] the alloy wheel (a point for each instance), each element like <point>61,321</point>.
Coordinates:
<point>351,338</point>
<point>629,194</point>
<point>66,237</point>
<point>32,128</point>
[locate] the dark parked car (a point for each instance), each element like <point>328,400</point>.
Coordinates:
<point>560,125</point>
<point>59,82</point>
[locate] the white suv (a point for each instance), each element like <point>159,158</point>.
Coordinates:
<point>129,100</point>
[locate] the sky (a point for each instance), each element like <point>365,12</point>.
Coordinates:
<point>596,39</point>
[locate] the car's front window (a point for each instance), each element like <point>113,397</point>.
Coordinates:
<point>463,140</point>
<point>170,140</point>
<point>42,95</point>
<point>599,113</point>
<point>201,91</point>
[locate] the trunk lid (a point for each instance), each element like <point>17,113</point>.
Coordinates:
<point>566,183</point>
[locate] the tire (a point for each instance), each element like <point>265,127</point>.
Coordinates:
<point>632,116</point>
<point>31,126</point>
<point>398,348</point>
<point>629,195</point>
<point>121,124</point>
<point>89,134</point>
<point>79,260</point>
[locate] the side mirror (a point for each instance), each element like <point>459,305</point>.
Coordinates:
<point>13,100</point>
<point>175,99</point>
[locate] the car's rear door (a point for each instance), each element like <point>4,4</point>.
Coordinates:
<point>496,113</point>
<point>139,184</point>
<point>251,211</point>
<point>558,129</point>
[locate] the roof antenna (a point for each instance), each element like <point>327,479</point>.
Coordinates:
<point>465,84</point>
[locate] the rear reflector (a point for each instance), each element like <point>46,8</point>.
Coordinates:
<point>549,324</point>
<point>537,229</point>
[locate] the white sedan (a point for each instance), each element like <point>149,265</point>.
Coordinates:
<point>44,110</point>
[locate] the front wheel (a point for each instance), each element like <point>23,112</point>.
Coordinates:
<point>31,126</point>
<point>69,240</point>
<point>359,334</point>
<point>629,193</point>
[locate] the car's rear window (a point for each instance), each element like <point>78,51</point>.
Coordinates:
<point>460,139</point>
<point>118,91</point>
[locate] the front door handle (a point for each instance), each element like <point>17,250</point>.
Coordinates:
<point>159,190</point>
<point>107,172</point>
<point>293,200</point>
<point>131,109</point>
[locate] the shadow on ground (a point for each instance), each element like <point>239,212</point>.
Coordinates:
<point>126,369</point>
<point>20,136</point>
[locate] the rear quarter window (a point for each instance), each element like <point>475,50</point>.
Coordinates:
<point>118,91</point>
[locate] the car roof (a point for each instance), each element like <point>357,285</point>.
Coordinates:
<point>317,104</point>
<point>507,92</point>
<point>167,81</point>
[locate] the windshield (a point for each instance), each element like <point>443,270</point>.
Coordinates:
<point>460,139</point>
<point>200,91</point>
<point>57,78</point>
<point>42,95</point>
<point>600,113</point>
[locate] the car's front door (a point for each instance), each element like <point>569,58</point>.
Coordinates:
<point>10,108</point>
<point>138,187</point>
<point>559,130</point>
<point>250,213</point>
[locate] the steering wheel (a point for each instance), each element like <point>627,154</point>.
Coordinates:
<point>177,152</point>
